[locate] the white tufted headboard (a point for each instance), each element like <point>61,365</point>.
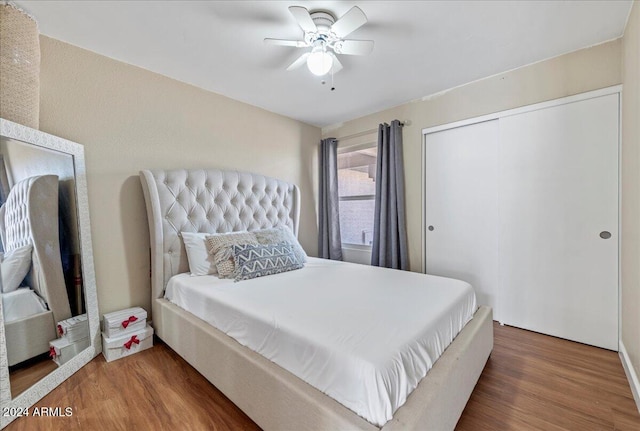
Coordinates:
<point>30,216</point>
<point>211,201</point>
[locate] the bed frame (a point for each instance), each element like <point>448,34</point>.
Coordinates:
<point>224,201</point>
<point>30,216</point>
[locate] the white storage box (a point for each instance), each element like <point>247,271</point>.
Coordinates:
<point>74,329</point>
<point>124,345</point>
<point>124,321</point>
<point>62,349</point>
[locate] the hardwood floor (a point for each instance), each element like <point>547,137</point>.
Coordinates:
<point>536,382</point>
<point>531,382</point>
<point>22,377</point>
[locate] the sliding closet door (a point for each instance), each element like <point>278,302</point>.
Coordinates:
<point>461,206</point>
<point>559,221</point>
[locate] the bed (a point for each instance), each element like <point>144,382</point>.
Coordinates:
<point>214,201</point>
<point>30,216</point>
<point>21,303</point>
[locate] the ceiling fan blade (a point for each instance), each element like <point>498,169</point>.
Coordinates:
<point>304,19</point>
<point>283,42</point>
<point>354,47</point>
<point>337,66</point>
<point>349,22</point>
<point>299,62</point>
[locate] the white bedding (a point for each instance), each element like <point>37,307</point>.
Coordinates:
<point>20,303</point>
<point>363,335</point>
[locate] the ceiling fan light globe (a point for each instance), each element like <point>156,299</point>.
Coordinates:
<point>319,62</point>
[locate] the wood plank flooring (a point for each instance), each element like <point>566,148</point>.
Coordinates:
<point>531,382</point>
<point>536,382</point>
<point>25,375</point>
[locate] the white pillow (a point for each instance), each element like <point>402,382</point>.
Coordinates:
<point>14,268</point>
<point>200,261</point>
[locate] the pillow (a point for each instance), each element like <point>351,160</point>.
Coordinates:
<point>259,260</point>
<point>200,261</point>
<point>281,234</point>
<point>14,267</point>
<point>220,247</point>
<point>3,232</point>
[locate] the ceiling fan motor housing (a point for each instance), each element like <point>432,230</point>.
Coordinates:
<point>323,20</point>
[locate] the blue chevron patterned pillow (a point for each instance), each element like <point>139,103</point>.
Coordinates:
<point>258,260</point>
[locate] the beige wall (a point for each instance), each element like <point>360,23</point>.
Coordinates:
<point>573,73</point>
<point>630,261</point>
<point>130,119</point>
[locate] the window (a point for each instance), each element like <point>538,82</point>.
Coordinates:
<point>357,189</point>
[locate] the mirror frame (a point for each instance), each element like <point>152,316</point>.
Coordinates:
<point>10,407</point>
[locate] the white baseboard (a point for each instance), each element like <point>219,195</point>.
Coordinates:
<point>630,371</point>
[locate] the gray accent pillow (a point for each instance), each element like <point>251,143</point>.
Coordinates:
<point>220,249</point>
<point>281,234</point>
<point>253,261</point>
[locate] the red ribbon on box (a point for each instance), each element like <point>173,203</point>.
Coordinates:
<point>60,330</point>
<point>52,352</point>
<point>129,343</point>
<point>129,320</point>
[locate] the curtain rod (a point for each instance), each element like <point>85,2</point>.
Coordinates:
<point>367,132</point>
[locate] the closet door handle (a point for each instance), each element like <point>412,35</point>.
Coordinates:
<point>605,234</point>
<point>431,228</point>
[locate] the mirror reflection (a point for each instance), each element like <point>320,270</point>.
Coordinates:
<point>40,270</point>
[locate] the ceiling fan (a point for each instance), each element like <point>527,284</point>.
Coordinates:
<point>326,38</point>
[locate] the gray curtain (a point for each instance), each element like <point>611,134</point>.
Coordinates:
<point>389,247</point>
<point>329,243</point>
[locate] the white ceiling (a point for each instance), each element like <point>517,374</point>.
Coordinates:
<point>421,47</point>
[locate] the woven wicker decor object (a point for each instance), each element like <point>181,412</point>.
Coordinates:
<point>19,66</point>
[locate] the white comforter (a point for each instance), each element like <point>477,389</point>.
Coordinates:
<point>363,335</point>
<point>21,303</point>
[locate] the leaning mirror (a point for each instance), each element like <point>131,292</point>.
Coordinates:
<point>48,310</point>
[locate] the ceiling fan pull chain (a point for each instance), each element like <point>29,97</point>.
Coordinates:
<point>333,87</point>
